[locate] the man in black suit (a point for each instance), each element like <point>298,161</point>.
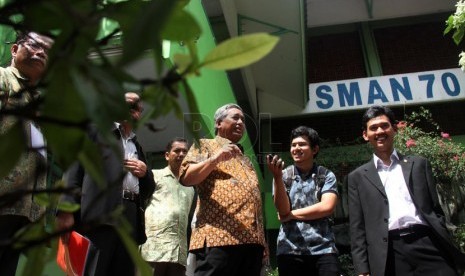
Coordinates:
<point>397,226</point>
<point>128,184</point>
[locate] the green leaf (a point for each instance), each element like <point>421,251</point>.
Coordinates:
<point>192,47</point>
<point>64,121</point>
<point>60,204</point>
<point>181,26</point>
<point>102,95</point>
<point>64,142</point>
<point>36,260</point>
<point>195,120</point>
<point>91,160</point>
<point>141,22</point>
<point>42,199</point>
<point>183,3</point>
<point>182,62</point>
<point>56,18</point>
<point>187,64</point>
<point>449,24</point>
<point>240,51</point>
<point>68,207</point>
<point>123,229</point>
<point>458,36</point>
<point>162,101</point>
<point>12,145</point>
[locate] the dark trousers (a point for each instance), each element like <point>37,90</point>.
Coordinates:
<point>108,254</point>
<point>234,260</point>
<point>9,257</point>
<point>417,253</point>
<point>291,265</point>
<point>168,269</point>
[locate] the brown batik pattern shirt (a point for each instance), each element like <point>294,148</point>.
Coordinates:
<point>229,210</point>
<point>30,171</point>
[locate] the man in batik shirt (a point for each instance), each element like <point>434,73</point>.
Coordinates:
<point>18,89</point>
<point>228,237</point>
<point>167,216</point>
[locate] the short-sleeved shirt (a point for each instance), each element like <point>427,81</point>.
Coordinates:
<point>309,237</point>
<point>166,219</point>
<point>229,210</point>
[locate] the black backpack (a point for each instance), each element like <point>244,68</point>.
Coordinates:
<point>319,179</point>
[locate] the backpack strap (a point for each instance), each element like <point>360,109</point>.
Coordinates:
<point>320,179</point>
<point>289,172</point>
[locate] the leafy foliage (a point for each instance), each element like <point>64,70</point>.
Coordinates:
<point>347,267</point>
<point>447,158</point>
<point>456,22</point>
<point>419,134</point>
<point>84,85</point>
<point>460,236</point>
<point>268,270</point>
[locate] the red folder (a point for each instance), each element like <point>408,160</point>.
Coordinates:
<point>71,257</point>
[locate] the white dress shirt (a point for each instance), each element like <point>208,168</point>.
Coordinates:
<point>402,211</point>
<point>130,181</point>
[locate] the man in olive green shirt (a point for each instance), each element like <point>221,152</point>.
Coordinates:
<point>17,89</point>
<point>166,217</point>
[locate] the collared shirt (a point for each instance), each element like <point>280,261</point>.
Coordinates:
<point>229,211</point>
<point>37,140</point>
<point>310,237</point>
<point>25,174</point>
<point>11,82</point>
<point>166,220</point>
<point>130,181</point>
<point>402,211</point>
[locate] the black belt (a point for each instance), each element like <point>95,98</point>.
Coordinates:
<point>415,229</point>
<point>130,195</point>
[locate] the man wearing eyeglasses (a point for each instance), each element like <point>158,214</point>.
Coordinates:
<point>17,89</point>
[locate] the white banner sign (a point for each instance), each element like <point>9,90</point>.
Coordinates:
<point>402,89</point>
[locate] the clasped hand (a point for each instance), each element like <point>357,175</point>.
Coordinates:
<point>227,152</point>
<point>136,167</point>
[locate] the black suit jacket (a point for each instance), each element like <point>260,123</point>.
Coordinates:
<point>369,213</point>
<point>97,203</point>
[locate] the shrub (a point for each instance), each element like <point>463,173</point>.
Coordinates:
<point>420,135</point>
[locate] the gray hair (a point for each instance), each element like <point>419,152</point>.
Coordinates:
<point>222,112</point>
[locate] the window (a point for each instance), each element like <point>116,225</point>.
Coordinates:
<point>335,57</point>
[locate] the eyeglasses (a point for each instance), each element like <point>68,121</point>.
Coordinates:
<point>34,45</point>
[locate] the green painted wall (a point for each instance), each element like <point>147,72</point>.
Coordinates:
<point>212,88</point>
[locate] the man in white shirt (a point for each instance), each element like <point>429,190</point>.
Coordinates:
<point>128,185</point>
<point>397,226</point>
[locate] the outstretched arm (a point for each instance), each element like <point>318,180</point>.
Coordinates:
<point>280,197</point>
